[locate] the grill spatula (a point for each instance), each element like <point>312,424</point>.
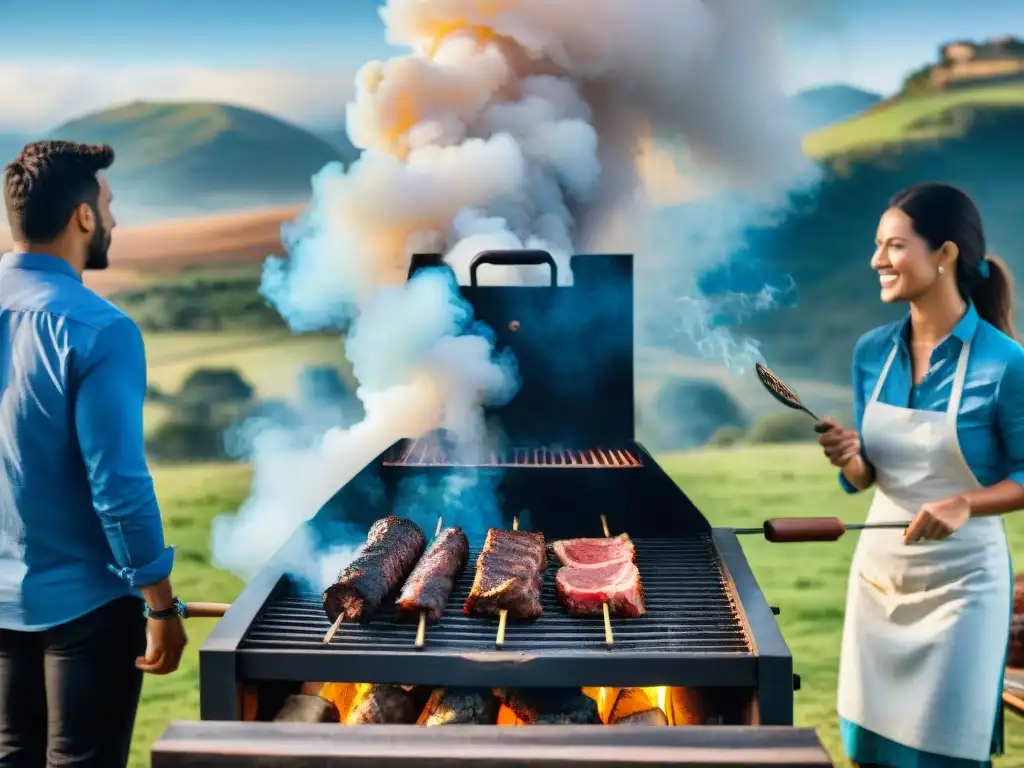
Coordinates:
<point>787,395</point>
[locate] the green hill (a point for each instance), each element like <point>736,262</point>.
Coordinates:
<point>910,120</point>
<point>212,155</point>
<point>826,105</point>
<point>971,138</point>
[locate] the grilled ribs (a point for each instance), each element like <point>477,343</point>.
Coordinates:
<point>508,575</point>
<point>430,585</point>
<point>392,548</point>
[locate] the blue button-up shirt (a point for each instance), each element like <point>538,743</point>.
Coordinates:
<point>990,422</point>
<point>79,522</point>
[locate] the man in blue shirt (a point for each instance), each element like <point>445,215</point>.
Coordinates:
<point>80,532</point>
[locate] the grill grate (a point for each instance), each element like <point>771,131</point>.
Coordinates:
<point>431,453</point>
<point>689,611</point>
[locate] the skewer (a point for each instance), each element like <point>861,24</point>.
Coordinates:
<point>503,616</point>
<point>334,628</point>
<point>421,629</point>
<point>609,638</point>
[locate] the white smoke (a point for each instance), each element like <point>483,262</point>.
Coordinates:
<point>511,124</point>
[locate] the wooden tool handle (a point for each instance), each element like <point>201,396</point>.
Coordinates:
<point>205,610</point>
<point>787,529</point>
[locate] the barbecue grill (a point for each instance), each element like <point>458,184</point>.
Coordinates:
<point>568,457</point>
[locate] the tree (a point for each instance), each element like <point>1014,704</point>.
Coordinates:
<point>687,412</point>
<point>216,386</point>
<point>181,440</point>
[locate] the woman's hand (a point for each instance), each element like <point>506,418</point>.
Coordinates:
<point>938,520</point>
<point>841,445</point>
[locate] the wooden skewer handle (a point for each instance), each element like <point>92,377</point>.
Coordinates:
<point>205,610</point>
<point>792,529</point>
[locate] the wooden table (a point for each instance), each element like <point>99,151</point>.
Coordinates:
<point>1013,690</point>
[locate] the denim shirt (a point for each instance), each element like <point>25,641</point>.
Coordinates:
<point>990,422</point>
<point>79,521</point>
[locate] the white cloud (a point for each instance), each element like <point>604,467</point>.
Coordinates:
<point>38,95</point>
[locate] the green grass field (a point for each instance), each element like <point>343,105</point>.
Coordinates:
<point>270,361</point>
<point>738,487</point>
<point>907,120</point>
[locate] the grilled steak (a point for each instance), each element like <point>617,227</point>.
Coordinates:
<point>430,585</point>
<point>652,716</point>
<point>392,547</point>
<point>386,705</point>
<point>582,589</point>
<point>306,708</point>
<point>462,706</point>
<point>550,706</point>
<point>508,575</point>
<point>594,551</point>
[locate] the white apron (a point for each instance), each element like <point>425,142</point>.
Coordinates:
<point>925,635</point>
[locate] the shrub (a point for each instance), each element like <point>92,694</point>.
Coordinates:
<point>728,436</point>
<point>788,427</point>
<point>216,386</point>
<point>685,413</point>
<point>183,440</point>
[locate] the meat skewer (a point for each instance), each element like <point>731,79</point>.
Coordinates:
<point>596,572</point>
<point>421,628</point>
<point>509,574</point>
<point>503,616</point>
<point>608,637</point>
<point>392,547</point>
<point>430,584</point>
<point>791,529</point>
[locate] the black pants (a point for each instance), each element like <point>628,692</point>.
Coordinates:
<point>68,695</point>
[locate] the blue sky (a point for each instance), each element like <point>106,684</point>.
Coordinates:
<point>298,57</point>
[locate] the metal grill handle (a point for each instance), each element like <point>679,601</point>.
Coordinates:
<point>513,259</point>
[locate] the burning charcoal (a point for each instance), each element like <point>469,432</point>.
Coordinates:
<point>652,716</point>
<point>386,705</point>
<point>462,706</point>
<point>305,708</point>
<point>550,706</point>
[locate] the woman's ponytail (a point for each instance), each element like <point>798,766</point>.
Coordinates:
<point>993,295</point>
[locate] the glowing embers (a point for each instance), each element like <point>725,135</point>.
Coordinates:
<point>430,452</point>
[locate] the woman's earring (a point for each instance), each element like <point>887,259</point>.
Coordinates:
<point>942,271</point>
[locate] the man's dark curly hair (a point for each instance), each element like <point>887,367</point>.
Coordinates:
<point>46,182</point>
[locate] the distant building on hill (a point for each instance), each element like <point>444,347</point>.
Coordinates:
<point>963,63</point>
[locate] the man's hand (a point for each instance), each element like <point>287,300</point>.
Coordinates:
<point>166,642</point>
<point>938,520</point>
<point>841,445</point>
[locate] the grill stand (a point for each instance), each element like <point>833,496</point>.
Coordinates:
<point>774,660</point>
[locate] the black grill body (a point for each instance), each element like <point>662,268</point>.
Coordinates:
<point>708,626</point>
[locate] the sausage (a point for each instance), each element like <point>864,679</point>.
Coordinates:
<point>430,584</point>
<point>791,529</point>
<point>303,708</point>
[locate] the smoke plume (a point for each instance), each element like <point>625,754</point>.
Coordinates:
<point>510,124</point>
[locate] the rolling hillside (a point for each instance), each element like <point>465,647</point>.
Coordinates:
<point>184,158</point>
<point>972,138</point>
<point>827,105</point>
<point>913,120</point>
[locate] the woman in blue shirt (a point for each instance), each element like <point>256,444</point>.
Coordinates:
<point>939,432</point>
